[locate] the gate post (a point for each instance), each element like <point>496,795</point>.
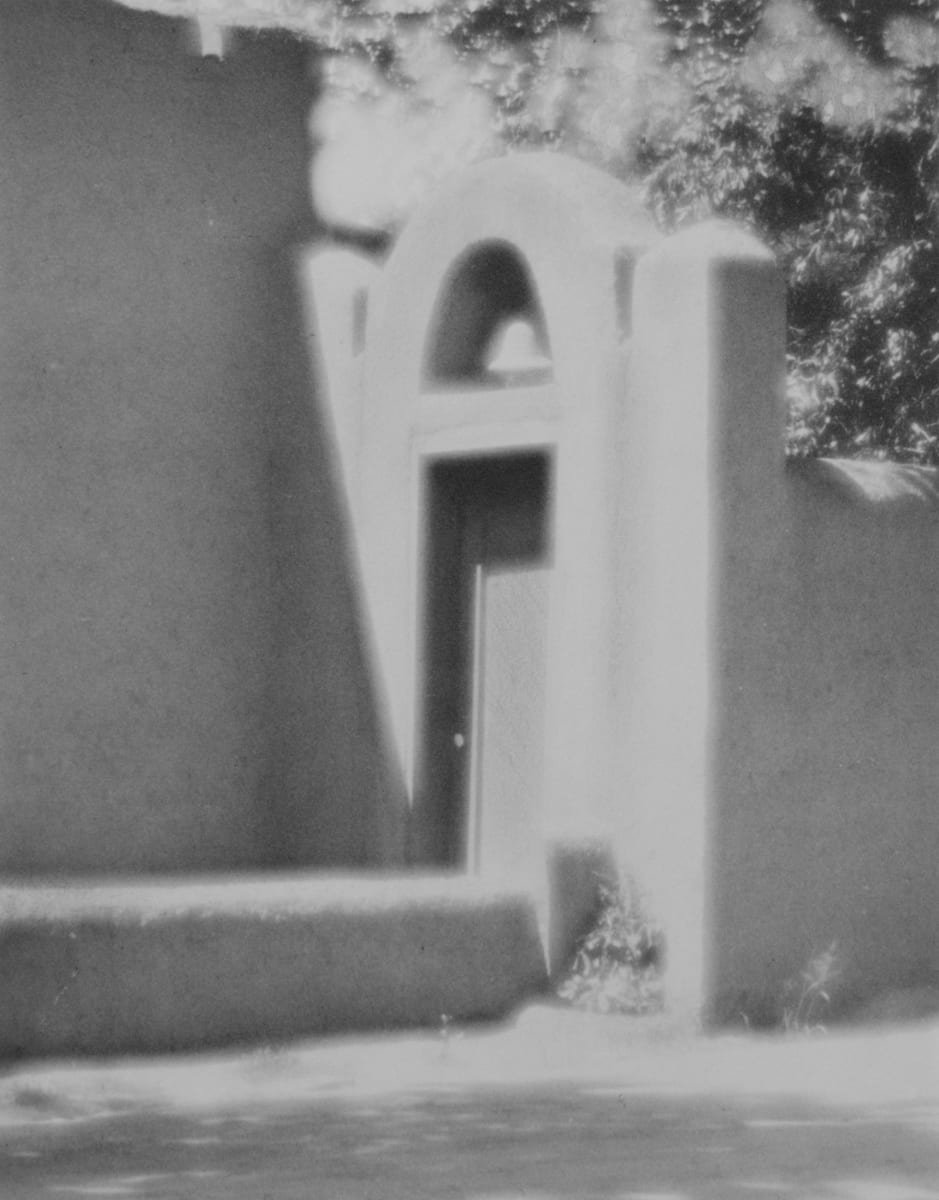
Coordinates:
<point>705,452</point>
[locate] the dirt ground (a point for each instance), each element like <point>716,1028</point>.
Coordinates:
<point>553,1105</point>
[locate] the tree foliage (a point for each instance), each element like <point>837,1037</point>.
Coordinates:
<point>813,122</point>
<point>851,212</point>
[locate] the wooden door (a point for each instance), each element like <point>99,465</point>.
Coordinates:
<point>486,583</point>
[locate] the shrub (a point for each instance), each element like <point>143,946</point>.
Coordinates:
<point>618,965</point>
<point>808,998</point>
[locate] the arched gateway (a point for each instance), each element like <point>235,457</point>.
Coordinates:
<point>476,426</point>
<point>560,437</point>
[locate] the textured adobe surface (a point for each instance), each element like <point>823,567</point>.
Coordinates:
<point>169,965</point>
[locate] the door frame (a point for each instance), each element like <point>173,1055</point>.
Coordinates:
<point>460,494</point>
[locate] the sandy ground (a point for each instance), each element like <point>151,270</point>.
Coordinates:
<point>555,1104</point>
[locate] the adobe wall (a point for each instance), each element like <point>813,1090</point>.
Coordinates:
<point>779,659</point>
<point>826,826</point>
<point>183,682</point>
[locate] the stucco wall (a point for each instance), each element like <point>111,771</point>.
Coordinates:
<point>183,684</point>
<point>826,825</point>
<point>128,967</point>
<point>779,660</point>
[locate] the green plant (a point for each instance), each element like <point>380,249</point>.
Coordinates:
<point>811,122</point>
<point>618,965</point>
<point>808,997</point>
<point>845,195</point>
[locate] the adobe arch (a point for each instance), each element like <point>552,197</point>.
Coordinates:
<point>660,424</point>
<point>573,235</point>
<point>556,241</point>
<point>576,230</point>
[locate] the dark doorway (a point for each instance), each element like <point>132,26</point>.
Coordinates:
<point>482,699</point>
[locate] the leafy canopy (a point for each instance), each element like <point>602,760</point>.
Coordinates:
<point>812,122</point>
<point>849,207</point>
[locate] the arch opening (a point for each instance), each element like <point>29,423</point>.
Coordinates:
<point>488,287</point>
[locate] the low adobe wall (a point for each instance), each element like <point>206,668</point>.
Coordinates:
<point>177,964</point>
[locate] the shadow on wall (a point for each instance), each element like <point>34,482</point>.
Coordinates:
<point>330,796</point>
<point>336,800</point>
